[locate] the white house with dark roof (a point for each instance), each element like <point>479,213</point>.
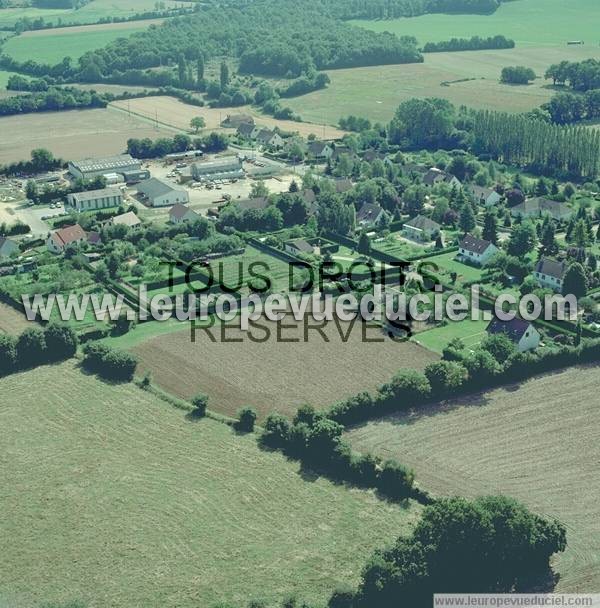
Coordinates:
<point>179,214</point>
<point>248,130</point>
<point>370,215</point>
<point>270,138</point>
<point>421,228</point>
<point>299,246</point>
<point>158,193</point>
<point>550,273</point>
<point>522,333</point>
<point>484,196</point>
<point>320,150</point>
<point>437,176</point>
<point>474,250</point>
<point>7,247</point>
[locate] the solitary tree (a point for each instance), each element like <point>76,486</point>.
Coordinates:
<point>490,227</point>
<point>200,403</point>
<point>197,123</point>
<point>224,75</point>
<point>575,281</point>
<point>467,218</point>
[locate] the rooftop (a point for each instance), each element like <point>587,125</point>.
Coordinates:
<point>105,164</point>
<point>91,195</point>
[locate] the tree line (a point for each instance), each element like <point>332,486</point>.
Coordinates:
<point>475,43</point>
<point>36,346</point>
<point>52,100</point>
<point>580,76</point>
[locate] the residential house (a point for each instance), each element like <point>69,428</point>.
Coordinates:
<point>7,247</point>
<point>129,219</point>
<point>270,138</point>
<point>179,214</point>
<point>248,130</point>
<point>320,150</point>
<point>475,250</point>
<point>371,155</point>
<point>370,215</point>
<point>95,199</point>
<point>343,185</point>
<point>69,236</point>
<point>158,193</point>
<point>539,206</point>
<point>522,333</point>
<point>550,273</point>
<point>421,228</point>
<point>339,151</point>
<point>260,203</point>
<point>484,196</point>
<point>234,121</point>
<point>436,176</point>
<point>301,246</point>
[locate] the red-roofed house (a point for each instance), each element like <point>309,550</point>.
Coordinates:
<point>68,236</point>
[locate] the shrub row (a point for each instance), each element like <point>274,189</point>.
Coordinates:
<point>461,373</point>
<point>109,363</point>
<point>316,440</point>
<point>36,346</point>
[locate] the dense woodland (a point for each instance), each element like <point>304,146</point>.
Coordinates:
<point>271,38</point>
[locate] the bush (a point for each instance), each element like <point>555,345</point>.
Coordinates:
<point>109,363</point>
<point>200,403</point>
<point>8,354</point>
<point>31,348</point>
<point>342,597</point>
<point>445,377</point>
<point>276,432</point>
<point>247,418</point>
<point>61,342</point>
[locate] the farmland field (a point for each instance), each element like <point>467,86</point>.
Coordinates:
<point>51,46</point>
<point>528,22</point>
<point>89,13</point>
<point>273,374</point>
<point>72,134</point>
<point>174,113</point>
<point>115,498</point>
<point>11,321</point>
<point>539,442</point>
<point>375,92</point>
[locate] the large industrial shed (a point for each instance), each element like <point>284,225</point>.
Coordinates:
<point>94,167</point>
<point>158,193</point>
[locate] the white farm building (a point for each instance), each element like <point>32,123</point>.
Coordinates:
<point>158,193</point>
<point>229,167</point>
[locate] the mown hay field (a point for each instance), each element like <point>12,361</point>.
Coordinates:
<point>528,22</point>
<point>275,369</point>
<point>12,321</point>
<point>88,13</point>
<point>538,442</point>
<point>51,46</point>
<point>113,497</point>
<point>375,92</point>
<point>73,134</point>
<point>174,113</point>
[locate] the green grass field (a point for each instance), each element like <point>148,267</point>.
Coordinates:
<point>51,46</point>
<point>538,442</point>
<point>436,339</point>
<point>90,13</point>
<point>375,92</point>
<point>528,22</point>
<point>114,497</point>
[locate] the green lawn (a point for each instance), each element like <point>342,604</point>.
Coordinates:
<point>89,13</point>
<point>51,47</point>
<point>115,498</point>
<point>400,247</point>
<point>528,22</point>
<point>436,339</point>
<point>448,264</point>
